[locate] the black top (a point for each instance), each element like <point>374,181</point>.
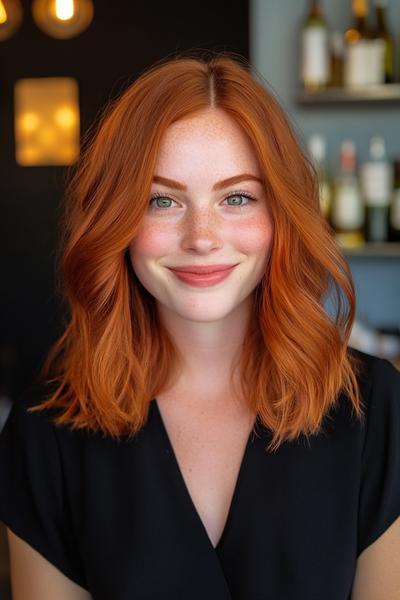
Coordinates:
<point>117,518</point>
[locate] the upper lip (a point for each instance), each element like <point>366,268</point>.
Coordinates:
<point>202,268</point>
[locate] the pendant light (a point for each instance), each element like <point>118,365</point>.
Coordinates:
<point>62,19</point>
<point>10,18</point>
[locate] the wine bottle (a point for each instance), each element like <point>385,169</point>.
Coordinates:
<point>336,59</point>
<point>363,64</point>
<point>381,32</point>
<point>394,223</point>
<point>317,150</point>
<point>315,60</point>
<point>376,177</point>
<point>348,211</point>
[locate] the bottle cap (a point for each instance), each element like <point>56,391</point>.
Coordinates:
<point>348,155</point>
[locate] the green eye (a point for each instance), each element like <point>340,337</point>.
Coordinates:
<point>162,200</point>
<point>238,196</point>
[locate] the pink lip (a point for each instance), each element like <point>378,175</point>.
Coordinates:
<point>206,269</point>
<point>203,279</point>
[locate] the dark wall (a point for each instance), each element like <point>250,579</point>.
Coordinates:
<point>122,40</point>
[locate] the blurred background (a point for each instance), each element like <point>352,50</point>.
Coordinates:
<point>335,67</point>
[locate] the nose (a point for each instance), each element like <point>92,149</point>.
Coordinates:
<point>202,231</point>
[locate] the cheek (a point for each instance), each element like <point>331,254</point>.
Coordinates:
<point>150,242</point>
<point>254,236</point>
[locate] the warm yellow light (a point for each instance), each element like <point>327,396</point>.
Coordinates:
<point>29,121</point>
<point>64,9</point>
<point>62,18</point>
<point>47,122</point>
<point>10,17</point>
<point>29,155</point>
<point>65,116</point>
<point>3,13</point>
<point>47,136</point>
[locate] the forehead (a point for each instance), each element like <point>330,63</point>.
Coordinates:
<point>208,140</point>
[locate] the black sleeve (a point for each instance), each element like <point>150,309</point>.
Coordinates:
<point>380,478</point>
<point>32,496</point>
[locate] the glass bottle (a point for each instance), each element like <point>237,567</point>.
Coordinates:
<point>382,32</point>
<point>317,150</point>
<point>376,177</point>
<point>348,211</point>
<point>336,59</point>
<point>314,59</point>
<point>394,224</point>
<point>364,53</point>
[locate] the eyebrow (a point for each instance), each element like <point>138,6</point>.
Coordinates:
<point>171,183</point>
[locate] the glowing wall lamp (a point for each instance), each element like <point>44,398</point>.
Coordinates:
<point>62,18</point>
<point>47,124</point>
<point>10,17</point>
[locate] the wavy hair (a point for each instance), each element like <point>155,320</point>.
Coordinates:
<point>114,354</point>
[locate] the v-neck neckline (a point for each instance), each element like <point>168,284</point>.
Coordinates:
<point>185,489</point>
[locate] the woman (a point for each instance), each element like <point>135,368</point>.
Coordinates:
<point>201,429</point>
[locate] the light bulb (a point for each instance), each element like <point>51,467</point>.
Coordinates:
<point>62,18</point>
<point>10,17</point>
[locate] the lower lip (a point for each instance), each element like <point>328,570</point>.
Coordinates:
<point>202,280</point>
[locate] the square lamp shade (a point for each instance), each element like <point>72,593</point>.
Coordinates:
<point>47,123</point>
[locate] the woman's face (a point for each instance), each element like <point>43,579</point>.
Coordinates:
<point>197,220</point>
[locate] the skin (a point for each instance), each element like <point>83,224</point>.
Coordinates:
<point>201,226</point>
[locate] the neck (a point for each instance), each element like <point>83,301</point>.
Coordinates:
<point>209,348</point>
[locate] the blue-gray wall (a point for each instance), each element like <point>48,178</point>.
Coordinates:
<point>274,52</point>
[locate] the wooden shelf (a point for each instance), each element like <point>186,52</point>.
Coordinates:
<point>375,249</point>
<point>388,93</point>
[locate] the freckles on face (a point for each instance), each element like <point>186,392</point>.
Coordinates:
<point>249,236</point>
<point>254,234</point>
<point>151,240</point>
<point>200,224</point>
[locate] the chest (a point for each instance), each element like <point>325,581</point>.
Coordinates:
<point>209,449</point>
<point>294,514</point>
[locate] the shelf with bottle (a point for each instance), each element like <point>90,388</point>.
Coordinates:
<point>361,205</point>
<point>351,67</point>
<point>374,250</point>
<point>384,93</point>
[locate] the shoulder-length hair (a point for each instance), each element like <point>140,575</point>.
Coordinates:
<point>114,355</point>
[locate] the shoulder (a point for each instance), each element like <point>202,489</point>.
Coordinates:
<point>379,382</point>
<point>21,422</point>
<point>33,435</point>
<point>35,491</point>
<point>379,500</point>
<point>378,378</point>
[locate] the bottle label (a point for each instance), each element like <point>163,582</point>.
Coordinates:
<point>347,209</point>
<point>315,59</point>
<point>376,183</point>
<point>364,63</point>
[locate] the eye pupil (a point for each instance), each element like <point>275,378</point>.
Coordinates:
<point>162,201</point>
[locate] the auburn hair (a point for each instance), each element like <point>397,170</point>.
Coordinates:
<point>114,354</point>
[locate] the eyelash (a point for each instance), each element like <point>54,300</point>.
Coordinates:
<point>233,194</point>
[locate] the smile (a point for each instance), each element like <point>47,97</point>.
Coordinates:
<point>203,279</point>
